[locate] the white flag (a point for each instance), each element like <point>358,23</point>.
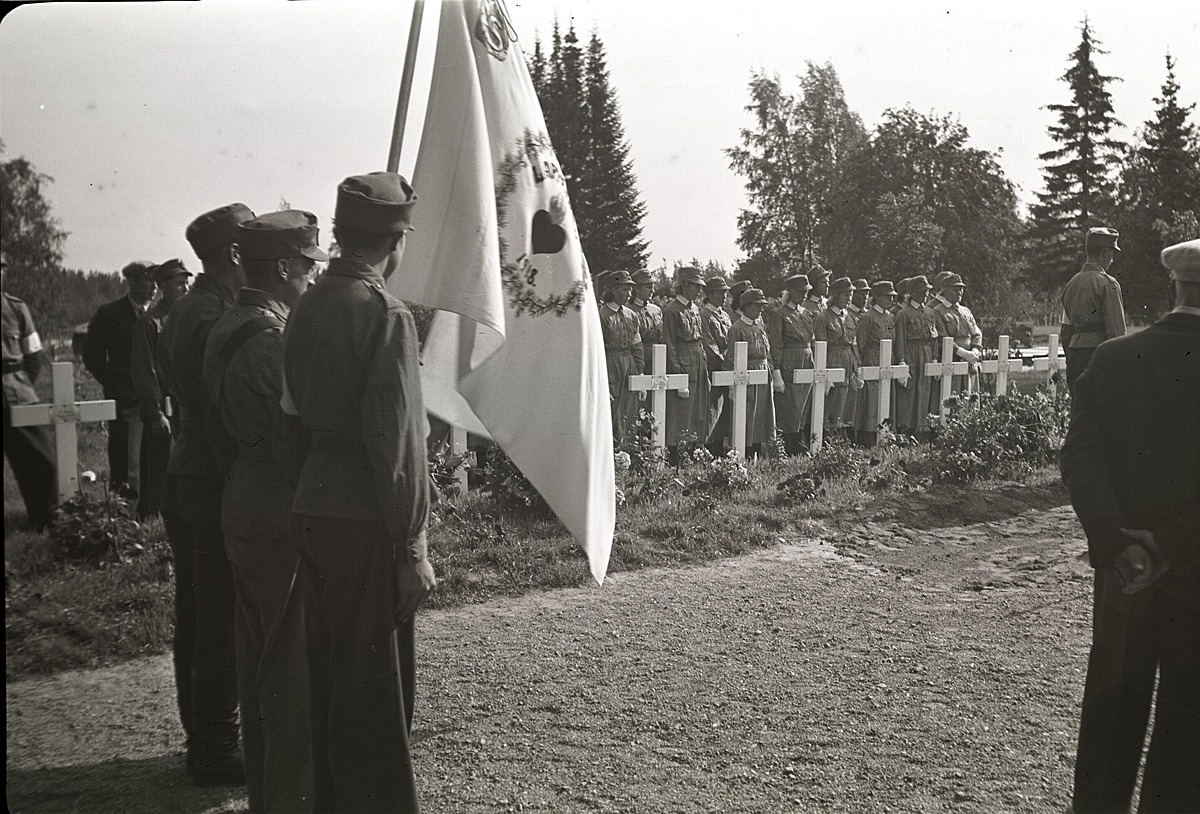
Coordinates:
<point>515,352</point>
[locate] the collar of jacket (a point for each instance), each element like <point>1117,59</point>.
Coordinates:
<point>612,306</point>
<point>716,309</point>
<point>261,299</point>
<point>1186,309</point>
<point>1090,266</point>
<point>207,283</point>
<point>748,321</point>
<point>879,309</point>
<point>349,267</point>
<point>684,300</point>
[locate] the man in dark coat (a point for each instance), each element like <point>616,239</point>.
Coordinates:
<point>205,668</point>
<point>351,373</point>
<point>106,355</point>
<point>1131,462</point>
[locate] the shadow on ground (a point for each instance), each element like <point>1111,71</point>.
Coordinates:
<point>118,785</point>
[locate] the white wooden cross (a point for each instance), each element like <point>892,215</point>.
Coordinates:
<point>63,414</point>
<point>1002,365</point>
<point>884,373</point>
<point>739,379</point>
<point>658,382</point>
<point>458,448</point>
<point>820,377</point>
<point>946,370</point>
<point>1051,364</point>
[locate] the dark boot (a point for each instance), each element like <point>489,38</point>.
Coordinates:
<point>214,739</point>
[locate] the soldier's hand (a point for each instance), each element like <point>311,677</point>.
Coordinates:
<point>161,427</point>
<point>414,581</point>
<point>777,381</point>
<point>1142,563</point>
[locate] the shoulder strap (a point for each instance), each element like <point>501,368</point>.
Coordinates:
<point>240,337</point>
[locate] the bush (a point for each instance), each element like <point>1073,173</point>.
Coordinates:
<point>996,436</point>
<point>95,531</point>
<point>508,488</point>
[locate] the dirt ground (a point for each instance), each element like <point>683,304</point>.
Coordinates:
<point>925,658</point>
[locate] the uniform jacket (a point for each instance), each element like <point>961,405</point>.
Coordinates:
<point>352,375</point>
<point>714,329</point>
<point>181,360</point>
<point>257,500</point>
<point>682,330</point>
<point>955,321</point>
<point>21,348</point>
<point>789,328</point>
<point>106,353</point>
<point>143,362</point>
<point>650,322</point>
<point>915,323</point>
<point>619,327</point>
<point>874,326</point>
<point>1093,307</point>
<point>1131,458</point>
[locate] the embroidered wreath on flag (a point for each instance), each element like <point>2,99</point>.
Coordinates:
<point>547,236</point>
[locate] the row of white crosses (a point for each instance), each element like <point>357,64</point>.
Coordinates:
<point>658,382</point>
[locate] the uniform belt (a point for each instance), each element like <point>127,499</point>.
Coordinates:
<point>1088,326</point>
<point>14,367</point>
<point>795,345</point>
<point>620,348</point>
<point>255,452</point>
<point>330,440</point>
<point>921,341</point>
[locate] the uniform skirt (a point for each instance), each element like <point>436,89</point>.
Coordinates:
<point>840,356</point>
<point>792,408</point>
<point>689,415</point>
<point>622,400</point>
<point>921,393</point>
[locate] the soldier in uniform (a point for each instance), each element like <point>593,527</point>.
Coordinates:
<point>1131,463</point>
<point>790,330</point>
<point>956,321</point>
<point>1093,310</point>
<point>622,350</point>
<point>243,370</point>
<point>172,279</point>
<point>818,281</point>
<point>916,346</point>
<point>106,355</point>
<point>351,373</point>
<point>875,325</point>
<point>29,450</point>
<point>760,409</point>
<point>715,323</point>
<point>687,410</point>
<point>833,326</point>
<point>205,659</point>
<point>858,303</point>
<point>650,318</point>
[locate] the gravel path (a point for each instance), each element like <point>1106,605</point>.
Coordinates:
<point>889,666</point>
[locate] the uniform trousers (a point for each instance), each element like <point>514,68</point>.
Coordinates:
<point>362,685</point>
<point>30,454</point>
<point>1077,361</point>
<point>205,661</point>
<point>272,674</point>
<point>1132,637</point>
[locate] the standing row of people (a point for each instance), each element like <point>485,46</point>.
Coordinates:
<point>287,414</point>
<point>702,323</point>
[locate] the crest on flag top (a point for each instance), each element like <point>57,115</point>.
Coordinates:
<point>514,352</point>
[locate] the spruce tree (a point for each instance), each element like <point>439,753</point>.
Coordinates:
<point>1159,196</point>
<point>1079,174</point>
<point>608,208</point>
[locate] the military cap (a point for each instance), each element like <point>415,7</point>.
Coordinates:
<point>618,278</point>
<point>797,282</point>
<point>642,277</point>
<point>861,284</point>
<point>717,284</point>
<point>1101,237</point>
<point>918,283</point>
<point>378,203</point>
<point>939,280</point>
<point>752,296</point>
<point>278,235</point>
<point>740,286</point>
<point>171,268</point>
<point>689,274</point>
<point>1183,259</point>
<point>882,288</point>
<point>817,272</point>
<point>902,286</point>
<point>215,228</point>
<point>138,268</point>
<point>951,280</point>
<point>840,286</point>
<point>601,278</point>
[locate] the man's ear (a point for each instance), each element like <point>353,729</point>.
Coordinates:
<point>235,254</point>
<point>281,266</point>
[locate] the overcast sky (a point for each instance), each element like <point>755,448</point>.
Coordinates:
<point>146,114</point>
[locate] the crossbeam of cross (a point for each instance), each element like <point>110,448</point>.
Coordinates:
<point>657,382</point>
<point>821,377</point>
<point>884,373</point>
<point>63,413</point>
<point>738,380</point>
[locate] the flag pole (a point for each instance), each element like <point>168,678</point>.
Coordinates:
<point>406,80</point>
